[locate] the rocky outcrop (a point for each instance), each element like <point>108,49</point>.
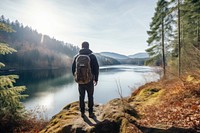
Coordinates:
<point>113,117</point>
<point>167,106</point>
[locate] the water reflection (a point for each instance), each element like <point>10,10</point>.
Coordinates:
<point>53,89</point>
<point>42,81</point>
<point>128,77</point>
<point>119,68</point>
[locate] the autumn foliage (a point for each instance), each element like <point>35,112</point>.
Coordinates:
<point>176,103</point>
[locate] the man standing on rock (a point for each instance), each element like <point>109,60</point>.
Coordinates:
<point>85,69</point>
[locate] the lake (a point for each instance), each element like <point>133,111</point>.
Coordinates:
<point>51,90</point>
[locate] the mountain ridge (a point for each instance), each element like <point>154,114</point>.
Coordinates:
<point>109,58</point>
<point>114,55</point>
<point>139,55</point>
<point>121,56</point>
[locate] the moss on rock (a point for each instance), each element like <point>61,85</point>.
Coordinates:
<point>153,107</point>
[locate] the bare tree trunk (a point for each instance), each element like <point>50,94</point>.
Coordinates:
<point>198,35</point>
<point>179,41</point>
<point>163,48</point>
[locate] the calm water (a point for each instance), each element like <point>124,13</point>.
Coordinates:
<point>53,89</point>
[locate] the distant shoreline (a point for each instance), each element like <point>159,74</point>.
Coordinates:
<point>30,69</point>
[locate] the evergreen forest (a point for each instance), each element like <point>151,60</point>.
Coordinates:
<point>174,36</point>
<point>34,50</point>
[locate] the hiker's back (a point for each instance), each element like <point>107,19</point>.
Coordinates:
<point>83,74</point>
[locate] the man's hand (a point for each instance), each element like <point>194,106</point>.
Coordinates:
<point>95,83</point>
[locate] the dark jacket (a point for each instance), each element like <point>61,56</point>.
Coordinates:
<point>93,63</point>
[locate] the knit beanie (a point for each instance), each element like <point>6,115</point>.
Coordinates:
<point>85,45</point>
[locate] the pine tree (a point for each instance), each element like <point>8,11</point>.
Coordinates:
<point>159,34</point>
<point>11,109</point>
<point>187,42</point>
<point>191,20</point>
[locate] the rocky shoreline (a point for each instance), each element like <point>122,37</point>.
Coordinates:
<point>148,110</point>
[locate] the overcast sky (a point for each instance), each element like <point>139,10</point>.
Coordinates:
<point>108,25</point>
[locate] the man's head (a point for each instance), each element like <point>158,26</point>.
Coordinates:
<point>85,45</point>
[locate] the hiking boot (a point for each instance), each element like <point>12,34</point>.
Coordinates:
<point>91,115</point>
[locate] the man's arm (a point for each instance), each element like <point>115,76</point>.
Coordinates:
<point>73,66</point>
<point>96,69</point>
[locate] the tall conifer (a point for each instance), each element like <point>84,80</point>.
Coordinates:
<point>159,34</point>
<point>11,109</point>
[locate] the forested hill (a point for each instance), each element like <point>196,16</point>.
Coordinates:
<point>34,50</point>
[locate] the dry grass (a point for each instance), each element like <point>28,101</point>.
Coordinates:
<point>173,103</point>
<point>35,121</point>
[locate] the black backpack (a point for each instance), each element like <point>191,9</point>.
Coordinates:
<point>83,73</point>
